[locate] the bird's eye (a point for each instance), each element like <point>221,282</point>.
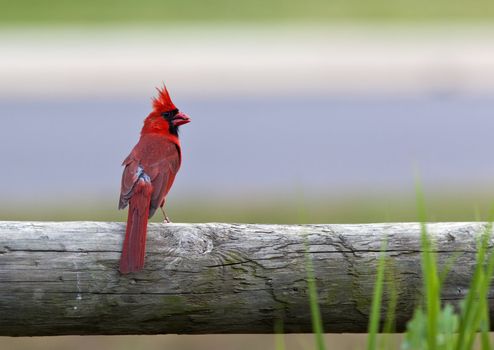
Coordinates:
<point>169,114</point>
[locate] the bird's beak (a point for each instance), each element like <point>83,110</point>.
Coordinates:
<point>180,119</point>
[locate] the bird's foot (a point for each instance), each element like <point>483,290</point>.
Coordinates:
<point>167,219</point>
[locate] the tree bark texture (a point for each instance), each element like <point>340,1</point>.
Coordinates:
<point>61,278</point>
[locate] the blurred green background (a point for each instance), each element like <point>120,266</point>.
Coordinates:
<point>113,11</point>
<point>354,208</point>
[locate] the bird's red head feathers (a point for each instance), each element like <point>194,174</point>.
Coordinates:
<point>165,117</point>
<point>163,103</point>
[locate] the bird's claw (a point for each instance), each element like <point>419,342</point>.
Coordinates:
<point>167,220</point>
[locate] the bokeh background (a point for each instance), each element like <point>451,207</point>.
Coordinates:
<point>330,108</point>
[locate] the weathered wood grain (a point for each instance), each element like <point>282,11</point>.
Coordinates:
<point>62,278</point>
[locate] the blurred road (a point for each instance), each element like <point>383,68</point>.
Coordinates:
<point>253,145</point>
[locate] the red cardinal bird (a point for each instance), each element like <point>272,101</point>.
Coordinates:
<point>148,175</point>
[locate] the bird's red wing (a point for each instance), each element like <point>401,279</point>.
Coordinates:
<point>129,178</point>
<point>156,157</point>
<point>164,176</point>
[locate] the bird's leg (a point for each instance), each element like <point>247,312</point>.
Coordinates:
<point>167,220</point>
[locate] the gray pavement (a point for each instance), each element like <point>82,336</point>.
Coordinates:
<point>249,145</point>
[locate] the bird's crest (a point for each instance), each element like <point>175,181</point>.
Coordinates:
<point>163,102</point>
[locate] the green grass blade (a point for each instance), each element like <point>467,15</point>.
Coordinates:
<point>449,265</point>
<point>482,290</point>
<point>317,326</point>
<point>279,336</point>
<point>484,306</point>
<point>375,315</point>
<point>430,276</point>
<point>468,326</point>
<point>485,327</point>
<point>387,342</point>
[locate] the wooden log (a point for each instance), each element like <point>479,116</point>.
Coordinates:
<point>61,278</point>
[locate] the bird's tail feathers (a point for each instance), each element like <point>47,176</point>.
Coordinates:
<point>134,246</point>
